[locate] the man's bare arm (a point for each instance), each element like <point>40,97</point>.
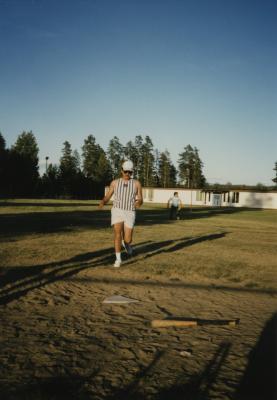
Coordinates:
<point>139,199</point>
<point>107,197</point>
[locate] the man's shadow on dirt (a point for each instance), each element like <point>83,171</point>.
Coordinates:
<point>258,382</point>
<point>260,378</point>
<point>60,387</point>
<point>18,281</point>
<point>192,387</point>
<point>71,387</point>
<point>152,249</point>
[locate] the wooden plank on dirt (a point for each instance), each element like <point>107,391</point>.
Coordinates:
<point>178,322</point>
<point>163,323</point>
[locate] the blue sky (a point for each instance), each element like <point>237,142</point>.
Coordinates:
<point>183,72</point>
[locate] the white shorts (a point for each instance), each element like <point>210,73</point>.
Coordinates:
<point>128,217</point>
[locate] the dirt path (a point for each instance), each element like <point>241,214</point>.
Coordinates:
<point>59,341</point>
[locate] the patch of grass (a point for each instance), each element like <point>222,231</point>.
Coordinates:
<point>236,246</point>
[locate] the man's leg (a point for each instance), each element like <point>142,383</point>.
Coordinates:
<point>118,232</point>
<point>127,239</point>
<point>174,212</point>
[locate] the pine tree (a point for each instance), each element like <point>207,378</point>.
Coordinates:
<point>23,165</point>
<point>186,166</point>
<point>115,156</point>
<point>164,168</point>
<point>90,155</point>
<point>156,168</point>
<point>96,166</point>
<point>95,163</point>
<point>2,144</point>
<point>3,166</point>
<point>130,151</point>
<point>173,176</point>
<point>167,171</point>
<point>199,179</point>
<point>138,160</point>
<point>77,160</point>
<point>103,175</point>
<point>69,169</point>
<point>190,168</point>
<point>275,178</point>
<point>147,166</point>
<point>68,163</point>
<point>26,145</point>
<point>50,181</point>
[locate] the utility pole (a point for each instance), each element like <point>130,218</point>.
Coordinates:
<point>46,166</point>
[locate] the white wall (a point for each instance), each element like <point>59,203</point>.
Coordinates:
<point>188,197</point>
<point>258,200</point>
<point>155,195</point>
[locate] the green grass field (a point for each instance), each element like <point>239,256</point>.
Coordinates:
<point>215,246</point>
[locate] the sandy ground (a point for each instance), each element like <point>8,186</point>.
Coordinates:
<point>60,341</point>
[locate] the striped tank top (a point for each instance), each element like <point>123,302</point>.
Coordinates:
<point>125,195</point>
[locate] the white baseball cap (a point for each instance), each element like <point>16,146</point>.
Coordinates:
<point>128,166</point>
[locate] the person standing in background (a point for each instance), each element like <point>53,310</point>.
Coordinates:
<point>175,204</point>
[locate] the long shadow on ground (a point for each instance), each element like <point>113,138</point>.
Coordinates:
<point>18,281</point>
<point>61,387</point>
<point>15,225</point>
<point>259,381</point>
<point>195,387</point>
<point>18,224</point>
<point>45,203</point>
<point>207,212</point>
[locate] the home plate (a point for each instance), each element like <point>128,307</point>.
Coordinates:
<point>119,300</point>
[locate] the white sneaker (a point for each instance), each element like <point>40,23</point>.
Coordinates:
<point>117,263</point>
<point>127,248</point>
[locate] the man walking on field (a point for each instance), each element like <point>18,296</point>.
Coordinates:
<point>127,197</point>
<point>175,205</point>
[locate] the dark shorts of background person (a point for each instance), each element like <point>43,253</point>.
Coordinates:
<point>173,212</point>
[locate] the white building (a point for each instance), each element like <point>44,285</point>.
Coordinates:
<point>213,198</point>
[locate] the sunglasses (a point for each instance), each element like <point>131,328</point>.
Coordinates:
<point>128,172</point>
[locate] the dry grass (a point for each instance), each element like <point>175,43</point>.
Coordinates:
<point>219,247</point>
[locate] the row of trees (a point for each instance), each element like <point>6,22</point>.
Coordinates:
<point>86,174</point>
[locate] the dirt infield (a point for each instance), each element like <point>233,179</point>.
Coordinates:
<point>59,341</point>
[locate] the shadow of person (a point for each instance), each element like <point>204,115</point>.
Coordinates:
<point>18,281</point>
<point>198,387</point>
<point>132,391</point>
<point>259,381</point>
<point>60,387</point>
<point>168,246</point>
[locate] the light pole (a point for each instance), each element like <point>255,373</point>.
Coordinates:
<point>46,159</point>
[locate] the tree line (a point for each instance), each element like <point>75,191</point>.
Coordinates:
<point>85,174</point>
